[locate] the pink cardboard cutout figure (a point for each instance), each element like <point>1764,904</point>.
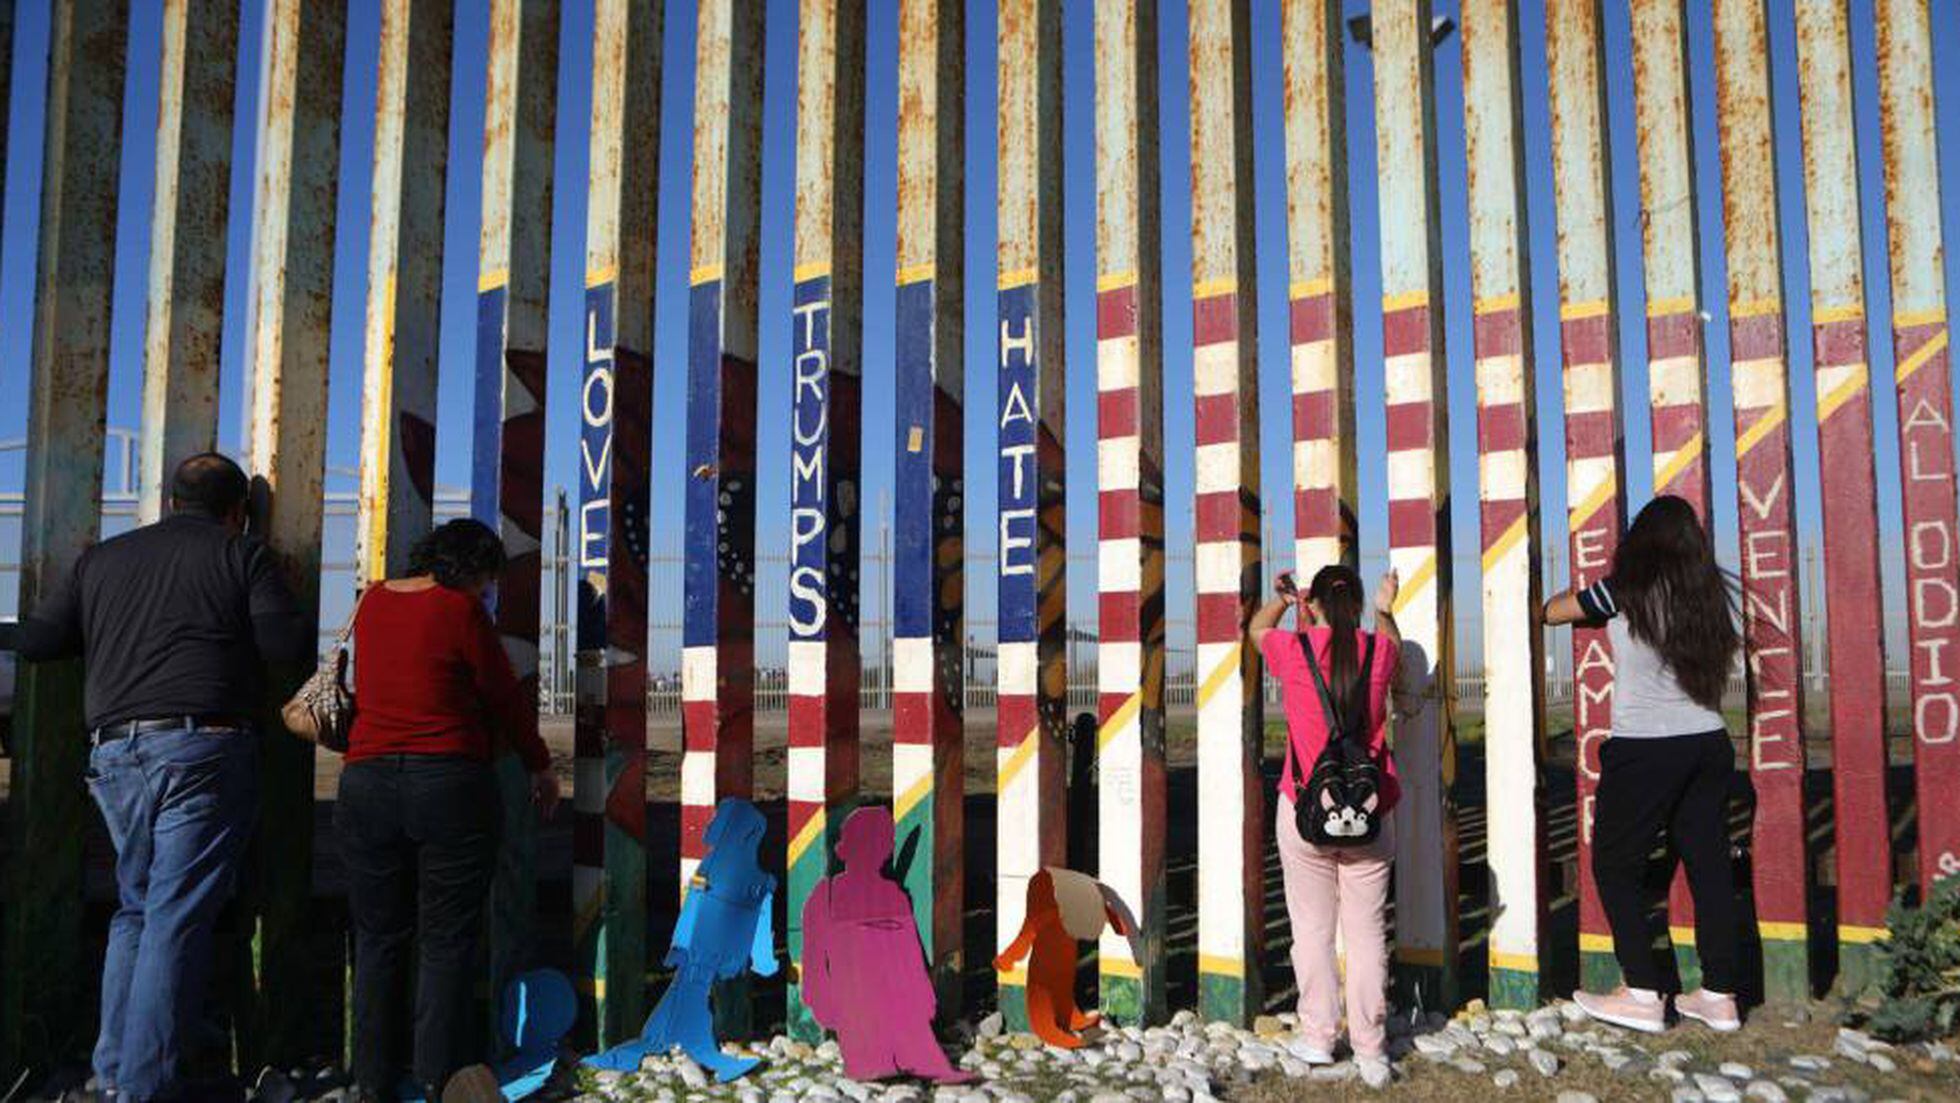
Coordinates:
<point>864,973</point>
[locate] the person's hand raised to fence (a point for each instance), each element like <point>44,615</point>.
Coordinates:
<point>544,793</point>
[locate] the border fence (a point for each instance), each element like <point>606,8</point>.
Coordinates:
<point>1814,929</point>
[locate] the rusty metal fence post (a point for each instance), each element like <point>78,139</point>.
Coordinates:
<point>1856,642</point>
<point>1031,713</point>
<point>929,476</point>
<point>1920,355</point>
<point>1670,243</point>
<point>1594,461</point>
<point>718,622</point>
<point>404,290</point>
<point>42,997</point>
<point>1227,574</point>
<point>609,822</point>
<point>507,455</point>
<point>1765,515</point>
<point>1320,294</point>
<point>289,317</point>
<point>1417,419</point>
<point>1507,453</point>
<point>826,370</point>
<point>197,80</point>
<point>1131,792</point>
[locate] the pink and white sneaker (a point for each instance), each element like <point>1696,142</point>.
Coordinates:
<point>1713,1010</point>
<point>1633,1008</point>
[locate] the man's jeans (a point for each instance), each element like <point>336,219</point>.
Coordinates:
<point>179,804</point>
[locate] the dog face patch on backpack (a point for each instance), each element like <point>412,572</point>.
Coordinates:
<point>1340,803</point>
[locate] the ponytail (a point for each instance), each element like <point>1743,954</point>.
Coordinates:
<point>1336,590</point>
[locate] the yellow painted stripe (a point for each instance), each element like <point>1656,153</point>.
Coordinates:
<point>602,275</point>
<point>1845,392</point>
<point>1307,289</point>
<point>812,831</point>
<point>916,273</point>
<point>1110,281</point>
<point>1503,545</point>
<point>1595,943</point>
<point>1783,932</point>
<point>1218,966</point>
<point>492,280</point>
<point>1420,955</point>
<point>1017,761</point>
<point>1828,315</point>
<point>1760,429</point>
<point>1017,277</point>
<point>1413,585</point>
<point>1862,935</point>
<point>592,986</point>
<point>1661,308</point>
<point>1492,304</point>
<point>1406,300</point>
<point>1582,513</point>
<point>1904,319</point>
<point>1113,966</point>
<point>1211,289</point>
<point>1119,720</point>
<point>1590,308</point>
<point>1681,936</point>
<point>1516,963</point>
<point>913,794</point>
<point>812,271</point>
<point>1678,462</point>
<point>703,273</point>
<point>1013,978</point>
<point>1216,679</point>
<point>1755,308</point>
<point>1921,356</point>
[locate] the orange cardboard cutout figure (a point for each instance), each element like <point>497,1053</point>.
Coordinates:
<point>1064,907</point>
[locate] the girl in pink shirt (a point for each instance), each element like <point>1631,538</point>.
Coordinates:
<point>1335,887</point>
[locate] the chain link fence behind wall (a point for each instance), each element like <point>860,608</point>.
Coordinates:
<point>772,601</point>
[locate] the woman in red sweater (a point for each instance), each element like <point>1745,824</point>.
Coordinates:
<point>419,812</point>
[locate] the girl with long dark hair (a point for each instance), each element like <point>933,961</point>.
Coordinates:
<point>1670,612</point>
<point>1330,888</point>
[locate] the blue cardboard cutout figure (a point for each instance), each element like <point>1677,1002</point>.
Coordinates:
<point>725,927</point>
<point>538,1010</point>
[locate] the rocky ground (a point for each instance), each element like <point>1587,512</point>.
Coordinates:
<point>1553,1053</point>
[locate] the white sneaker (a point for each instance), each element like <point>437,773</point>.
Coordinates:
<point>1374,1071</point>
<point>1311,1054</point>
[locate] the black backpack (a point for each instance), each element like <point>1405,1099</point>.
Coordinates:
<point>1340,804</point>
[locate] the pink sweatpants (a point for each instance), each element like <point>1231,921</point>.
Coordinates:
<point>1349,885</point>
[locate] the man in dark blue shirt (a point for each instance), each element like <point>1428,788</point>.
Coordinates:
<point>173,622</point>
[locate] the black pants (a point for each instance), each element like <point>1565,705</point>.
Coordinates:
<point>1679,786</point>
<point>418,835</point>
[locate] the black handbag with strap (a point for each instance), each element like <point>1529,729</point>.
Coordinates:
<point>1340,802</point>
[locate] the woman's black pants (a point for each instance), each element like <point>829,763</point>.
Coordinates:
<point>1678,786</point>
<point>418,837</point>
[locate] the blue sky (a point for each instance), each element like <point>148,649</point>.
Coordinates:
<point>21,200</point>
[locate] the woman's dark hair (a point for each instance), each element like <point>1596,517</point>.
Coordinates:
<point>1676,599</point>
<point>458,553</point>
<point>1336,589</point>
